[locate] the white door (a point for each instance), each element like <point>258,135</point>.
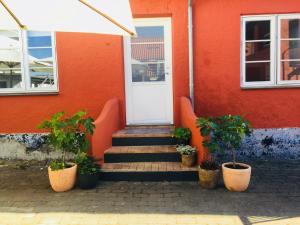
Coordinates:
<point>148,73</point>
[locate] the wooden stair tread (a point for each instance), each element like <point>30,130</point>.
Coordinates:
<point>141,149</point>
<point>145,131</point>
<point>146,167</point>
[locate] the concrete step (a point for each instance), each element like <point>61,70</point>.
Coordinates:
<point>148,171</point>
<point>141,154</point>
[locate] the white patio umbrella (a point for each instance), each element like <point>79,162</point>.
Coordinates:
<point>88,16</point>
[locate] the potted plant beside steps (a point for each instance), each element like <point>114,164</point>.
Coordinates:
<point>66,134</point>
<point>227,132</point>
<point>182,135</point>
<point>188,155</point>
<point>88,171</point>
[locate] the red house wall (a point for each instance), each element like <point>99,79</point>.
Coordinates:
<point>91,68</point>
<point>217,65</point>
<point>91,72</point>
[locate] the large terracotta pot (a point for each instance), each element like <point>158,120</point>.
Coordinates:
<point>62,180</point>
<point>188,160</point>
<point>208,179</point>
<point>237,179</point>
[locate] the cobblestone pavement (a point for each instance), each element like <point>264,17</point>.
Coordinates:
<point>273,198</point>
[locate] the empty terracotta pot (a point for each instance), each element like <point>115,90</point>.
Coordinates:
<point>236,179</point>
<point>188,160</point>
<point>208,179</point>
<point>62,180</point>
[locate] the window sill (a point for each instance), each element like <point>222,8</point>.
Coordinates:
<point>243,87</point>
<point>24,93</point>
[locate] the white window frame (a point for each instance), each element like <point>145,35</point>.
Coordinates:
<point>25,88</point>
<point>275,53</point>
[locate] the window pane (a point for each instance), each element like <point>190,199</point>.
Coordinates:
<point>148,72</point>
<point>39,39</point>
<point>41,77</point>
<point>148,56</point>
<point>10,78</point>
<point>10,58</point>
<point>290,70</point>
<point>290,28</point>
<point>256,51</point>
<point>257,72</point>
<point>40,57</point>
<point>290,49</point>
<point>9,39</point>
<point>258,30</point>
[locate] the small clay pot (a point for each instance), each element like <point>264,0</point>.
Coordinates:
<point>236,179</point>
<point>62,180</point>
<point>208,179</point>
<point>188,160</point>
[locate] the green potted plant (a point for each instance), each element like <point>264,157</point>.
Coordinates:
<point>188,154</point>
<point>182,135</point>
<point>227,132</point>
<point>209,173</point>
<point>87,172</point>
<point>66,134</point>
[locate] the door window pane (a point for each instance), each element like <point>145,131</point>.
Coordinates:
<point>257,72</point>
<point>258,30</point>
<point>10,60</point>
<point>148,55</point>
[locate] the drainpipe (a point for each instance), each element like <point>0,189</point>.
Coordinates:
<point>191,50</point>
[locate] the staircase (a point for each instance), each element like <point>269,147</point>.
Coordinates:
<point>145,153</point>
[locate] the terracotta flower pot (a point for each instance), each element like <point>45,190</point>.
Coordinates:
<point>208,179</point>
<point>62,180</point>
<point>188,160</point>
<point>236,179</point>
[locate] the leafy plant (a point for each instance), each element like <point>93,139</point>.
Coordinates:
<point>224,132</point>
<point>186,149</point>
<point>209,165</point>
<point>68,134</point>
<point>182,133</point>
<point>86,164</point>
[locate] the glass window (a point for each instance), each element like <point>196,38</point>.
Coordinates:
<point>30,68</point>
<point>290,50</point>
<point>147,53</point>
<point>257,51</point>
<point>10,60</point>
<point>271,50</point>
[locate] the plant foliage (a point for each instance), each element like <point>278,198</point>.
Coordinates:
<point>68,134</point>
<point>186,149</point>
<point>87,165</point>
<point>224,132</point>
<point>182,133</point>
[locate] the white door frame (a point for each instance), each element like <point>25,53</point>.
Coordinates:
<point>167,23</point>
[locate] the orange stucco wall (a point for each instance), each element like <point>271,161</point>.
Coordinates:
<point>91,68</point>
<point>188,119</point>
<point>217,65</point>
<point>107,123</point>
<point>91,72</point>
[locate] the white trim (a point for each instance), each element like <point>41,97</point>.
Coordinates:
<point>275,52</point>
<point>148,22</point>
<point>25,73</point>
